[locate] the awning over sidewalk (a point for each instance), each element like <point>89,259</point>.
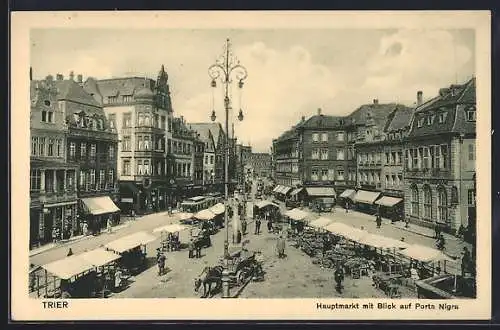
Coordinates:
<point>367,197</point>
<point>348,193</point>
<point>388,201</point>
<point>321,191</point>
<point>99,257</point>
<point>100,205</point>
<point>296,191</point>
<point>68,267</point>
<point>129,242</point>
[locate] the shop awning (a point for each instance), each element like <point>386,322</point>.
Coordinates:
<point>99,257</point>
<point>184,216</point>
<point>320,222</point>
<point>296,191</point>
<point>129,242</point>
<point>367,197</point>
<point>265,203</point>
<point>197,198</point>
<point>297,214</point>
<point>204,215</point>
<point>100,205</point>
<point>424,253</point>
<point>128,186</point>
<point>383,242</point>
<point>388,201</point>
<point>218,208</point>
<point>321,191</point>
<point>348,193</point>
<point>172,228</point>
<point>68,267</point>
<point>285,190</point>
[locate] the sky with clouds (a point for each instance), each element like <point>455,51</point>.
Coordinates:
<point>291,73</point>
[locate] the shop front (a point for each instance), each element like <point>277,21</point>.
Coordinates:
<point>391,208</point>
<point>97,210</point>
<point>346,198</point>
<point>365,200</point>
<point>53,222</point>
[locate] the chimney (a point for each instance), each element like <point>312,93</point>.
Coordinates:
<point>31,73</point>
<point>59,77</point>
<point>375,101</point>
<point>303,119</point>
<point>319,111</point>
<point>419,98</point>
<point>182,119</point>
<point>71,76</point>
<point>79,79</point>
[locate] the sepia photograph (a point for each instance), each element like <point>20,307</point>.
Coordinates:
<point>203,159</point>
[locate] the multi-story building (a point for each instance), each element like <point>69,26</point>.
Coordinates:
<point>260,163</point>
<point>369,124</point>
<point>92,146</point>
<point>199,165</point>
<point>209,152</point>
<point>440,154</point>
<point>53,188</point>
<point>242,160</point>
<point>286,154</point>
<point>140,111</point>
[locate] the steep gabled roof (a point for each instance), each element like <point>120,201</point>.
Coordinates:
<point>70,90</point>
<point>321,121</point>
<point>207,129</point>
<point>401,118</point>
<point>372,113</point>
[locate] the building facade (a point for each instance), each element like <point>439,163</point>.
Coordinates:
<point>287,155</point>
<point>260,162</point>
<point>91,145</point>
<point>440,154</point>
<point>243,154</point>
<point>53,181</point>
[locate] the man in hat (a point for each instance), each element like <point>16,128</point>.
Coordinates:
<point>339,278</point>
<point>280,246</point>
<point>466,260</point>
<point>161,264</point>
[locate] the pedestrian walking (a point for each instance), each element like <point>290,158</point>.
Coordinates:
<point>378,220</point>
<point>280,246</point>
<point>198,250</point>
<point>70,253</point>
<point>191,248</point>
<point>346,207</point>
<point>85,229</point>
<point>54,235</point>
<point>339,278</point>
<point>170,210</point>
<point>466,261</point>
<point>257,226</point>
<point>109,225</point>
<point>161,264</point>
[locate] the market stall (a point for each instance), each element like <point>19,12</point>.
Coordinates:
<point>298,219</point>
<point>132,249</point>
<point>104,262</point>
<point>218,209</point>
<point>207,219</point>
<point>170,236</point>
<point>184,217</point>
<point>320,223</point>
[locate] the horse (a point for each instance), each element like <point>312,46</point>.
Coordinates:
<point>208,276</point>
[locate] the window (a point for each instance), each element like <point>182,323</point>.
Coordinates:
<point>420,122</point>
<point>442,204</point>
<point>442,117</point>
<point>127,120</point>
<point>93,150</point>
<point>147,144</point>
<point>41,147</point>
<point>340,154</point>
<point>83,150</point>
<point>387,180</point>
<point>147,119</point>
<point>427,202</point>
<point>50,147</point>
<point>34,145</point>
<point>140,119</point>
<point>315,154</point>
<point>127,98</point>
<point>206,159</point>
<point>156,121</point>
<point>146,167</point>
<point>188,169</point>
<point>126,167</point>
<point>324,154</point>
<point>427,159</point>
<point>158,168</point>
<point>315,137</point>
<point>471,114</point>
<point>444,154</point>
<point>188,148</point>
<point>112,99</point>
<point>340,175</point>
<point>324,137</point>
<point>324,175</point>
<point>126,143</point>
<point>112,120</point>
<point>72,149</point>
<point>163,122</point>
<point>430,120</point>
<point>59,147</point>
<point>111,152</point>
<point>414,201</point>
<point>102,179</point>
<point>111,178</point>
<point>314,175</point>
<point>211,160</point>
<point>70,179</point>
<point>472,154</point>
<point>82,179</point>
<point>471,197</point>
<point>340,136</point>
<point>376,177</point>
<point>387,158</point>
<point>35,180</point>
<point>92,177</point>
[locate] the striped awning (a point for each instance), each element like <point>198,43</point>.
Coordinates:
<point>388,201</point>
<point>321,191</point>
<point>348,193</point>
<point>366,197</point>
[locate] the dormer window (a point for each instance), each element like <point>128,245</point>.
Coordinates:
<point>112,99</point>
<point>442,117</point>
<point>471,114</point>
<point>47,116</point>
<point>420,122</point>
<point>127,98</point>
<point>430,120</point>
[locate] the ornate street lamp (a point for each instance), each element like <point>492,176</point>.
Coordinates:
<point>226,69</point>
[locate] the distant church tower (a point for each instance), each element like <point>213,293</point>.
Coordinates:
<point>162,90</point>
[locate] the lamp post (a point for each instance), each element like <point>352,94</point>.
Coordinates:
<point>226,69</point>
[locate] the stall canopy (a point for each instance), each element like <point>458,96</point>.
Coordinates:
<point>296,191</point>
<point>388,201</point>
<point>277,188</point>
<point>265,203</point>
<point>172,228</point>
<point>320,222</point>
<point>129,242</point>
<point>99,257</point>
<point>285,190</point>
<point>348,193</point>
<point>184,216</point>
<point>367,197</point>
<point>218,208</point>
<point>424,253</point>
<point>204,215</point>
<point>197,198</point>
<point>383,242</point>
<point>100,205</point>
<point>68,267</point>
<point>321,191</point>
<point>351,233</point>
<point>297,214</point>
